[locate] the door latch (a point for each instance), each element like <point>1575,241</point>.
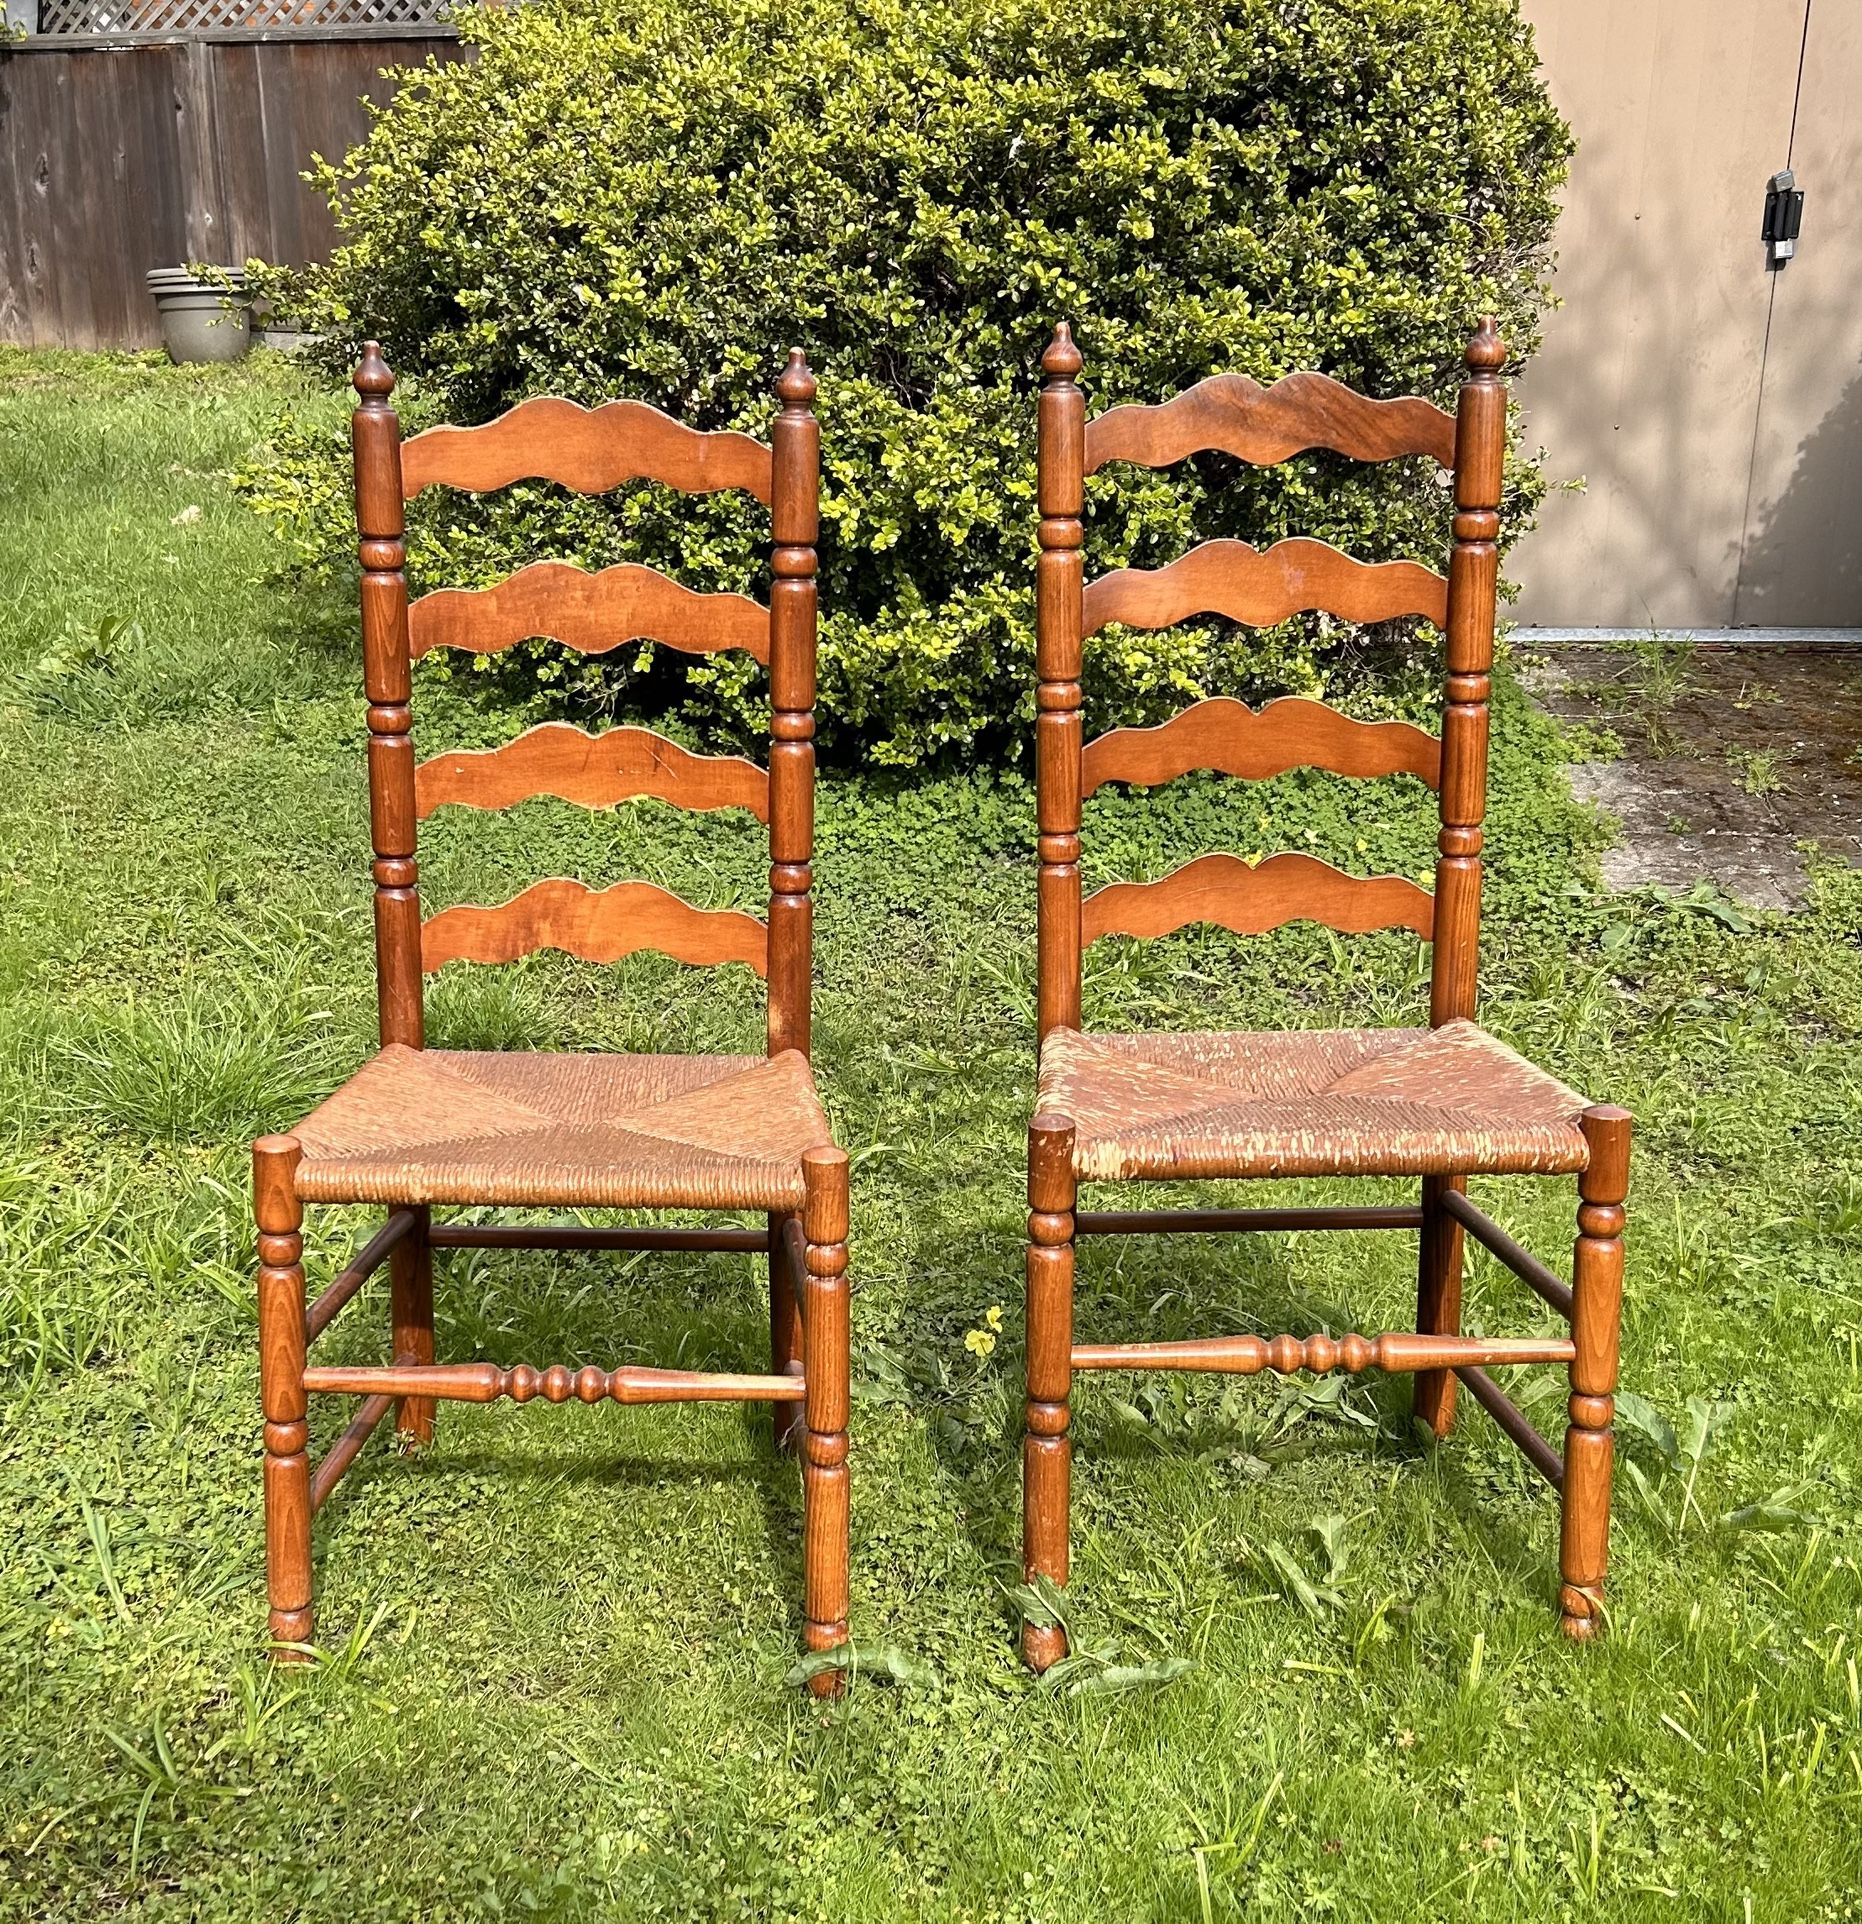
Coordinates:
<point>1784,216</point>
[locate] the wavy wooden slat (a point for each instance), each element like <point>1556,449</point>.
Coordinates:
<point>596,925</point>
<point>588,449</point>
<point>594,771</point>
<point>1262,586</point>
<point>1249,901</point>
<point>591,612</point>
<point>1267,424</point>
<point>1233,739</point>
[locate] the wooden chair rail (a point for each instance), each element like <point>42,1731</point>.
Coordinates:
<point>487,1382</point>
<point>590,450</point>
<point>594,771</point>
<point>1512,1421</point>
<point>589,1236</point>
<point>1402,1351</point>
<point>347,1447</point>
<point>592,613</point>
<point>596,925</point>
<point>1225,890</point>
<point>1517,1258</point>
<point>1231,738</point>
<point>1263,425</point>
<point>360,1267</point>
<point>1146,1222</point>
<point>1261,586</point>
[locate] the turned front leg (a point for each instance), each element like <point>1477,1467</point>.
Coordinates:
<point>1596,1319</point>
<point>824,1437</point>
<point>1046,1452</point>
<point>282,1340</point>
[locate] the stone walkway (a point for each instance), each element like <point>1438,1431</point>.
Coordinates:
<point>1731,756</point>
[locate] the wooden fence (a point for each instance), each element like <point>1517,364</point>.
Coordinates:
<point>150,150</point>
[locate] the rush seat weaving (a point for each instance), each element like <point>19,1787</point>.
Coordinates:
<point>418,1129</point>
<point>1439,1104</point>
<point>570,1131</point>
<point>1321,1102</point>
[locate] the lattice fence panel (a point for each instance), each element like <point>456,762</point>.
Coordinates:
<point>196,16</point>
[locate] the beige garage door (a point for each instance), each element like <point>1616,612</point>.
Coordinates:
<point>1711,406</point>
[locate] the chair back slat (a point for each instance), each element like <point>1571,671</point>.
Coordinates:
<point>1260,587</point>
<point>1263,425</point>
<point>588,449</point>
<point>1231,738</point>
<point>1250,900</point>
<point>594,771</point>
<point>596,925</point>
<point>589,612</point>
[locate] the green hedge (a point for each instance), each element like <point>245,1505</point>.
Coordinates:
<point>656,197</point>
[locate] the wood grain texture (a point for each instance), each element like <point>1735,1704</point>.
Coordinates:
<point>487,1382</point>
<point>1249,901</point>
<point>1047,1449</point>
<point>1260,586</point>
<point>596,925</point>
<point>280,1218</point>
<point>826,1361</point>
<point>1251,1355</point>
<point>587,449</point>
<point>589,612</point>
<point>594,771</point>
<point>1233,739</point>
<point>1263,425</point>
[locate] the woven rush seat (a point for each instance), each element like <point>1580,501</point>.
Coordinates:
<point>607,1131</point>
<point>1322,1102</point>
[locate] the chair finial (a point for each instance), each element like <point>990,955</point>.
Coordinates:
<point>1486,350</point>
<point>1063,360</point>
<point>795,386</point>
<point>373,380</point>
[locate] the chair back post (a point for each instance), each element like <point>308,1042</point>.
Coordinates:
<point>1473,581</point>
<point>375,437</point>
<point>1061,442</point>
<point>795,444</point>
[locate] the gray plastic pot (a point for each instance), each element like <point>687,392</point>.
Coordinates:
<point>208,319</point>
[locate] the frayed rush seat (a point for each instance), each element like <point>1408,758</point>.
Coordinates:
<point>1322,1102</point>
<point>582,1131</point>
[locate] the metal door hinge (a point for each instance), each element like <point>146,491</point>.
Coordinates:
<point>1784,216</point>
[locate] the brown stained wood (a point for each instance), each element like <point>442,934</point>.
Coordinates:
<point>587,449</point>
<point>1513,1254</point>
<point>788,1263</point>
<point>1261,586</point>
<point>1231,738</point>
<point>1225,890</point>
<point>592,613</point>
<point>823,1439</point>
<point>280,1217</point>
<point>1514,1423</point>
<point>594,771</point>
<point>1048,1364</point>
<point>596,925</point>
<point>1438,1299</point>
<point>1596,1323</point>
<point>1176,1222</point>
<point>344,1451</point>
<point>588,1236</point>
<point>487,1382</point>
<point>1284,1355</point>
<point>1263,425</point>
<point>360,1267</point>
<point>410,1273</point>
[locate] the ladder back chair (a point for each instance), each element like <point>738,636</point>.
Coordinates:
<point>1440,1103</point>
<point>418,1129</point>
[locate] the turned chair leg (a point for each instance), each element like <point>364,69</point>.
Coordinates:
<point>1438,1300</point>
<point>1046,1452</point>
<point>1596,1316</point>
<point>282,1339</point>
<point>785,1330</point>
<point>410,1277</point>
<point>824,1441</point>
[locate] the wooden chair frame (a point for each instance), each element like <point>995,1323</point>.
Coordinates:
<point>590,451</point>
<point>1264,426</point>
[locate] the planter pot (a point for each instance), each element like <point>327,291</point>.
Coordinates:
<point>207,319</point>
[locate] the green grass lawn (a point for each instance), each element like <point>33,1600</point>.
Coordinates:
<point>555,1648</point>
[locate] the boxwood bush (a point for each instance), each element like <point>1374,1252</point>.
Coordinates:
<point>656,197</point>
